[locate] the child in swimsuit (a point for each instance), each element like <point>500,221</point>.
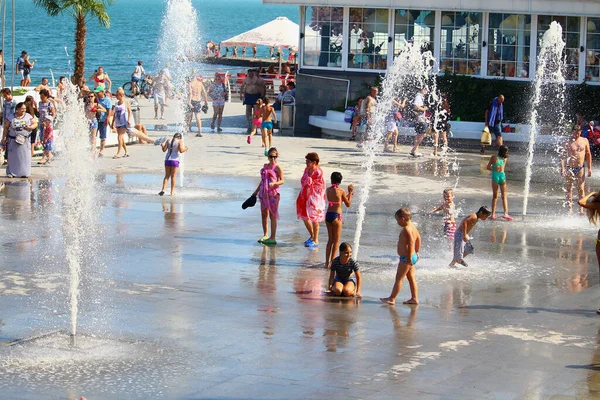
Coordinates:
<point>449,211</point>
<point>333,219</point>
<point>341,283</point>
<point>256,120</point>
<point>409,245</point>
<point>497,165</point>
<point>462,240</point>
<point>268,117</point>
<point>271,177</point>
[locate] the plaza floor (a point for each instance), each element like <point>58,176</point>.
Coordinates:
<point>181,302</point>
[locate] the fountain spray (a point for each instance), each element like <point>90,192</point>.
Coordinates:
<point>549,76</point>
<point>178,47</point>
<point>412,70</point>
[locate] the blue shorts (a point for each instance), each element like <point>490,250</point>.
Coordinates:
<point>497,130</point>
<point>49,145</point>
<point>93,124</point>
<point>344,281</point>
<point>267,125</point>
<point>102,130</point>
<point>134,79</point>
<point>414,259</point>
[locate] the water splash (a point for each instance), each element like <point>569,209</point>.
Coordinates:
<point>412,70</point>
<point>548,98</point>
<point>177,47</point>
<point>79,211</point>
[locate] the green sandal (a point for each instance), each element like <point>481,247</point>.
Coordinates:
<point>269,242</point>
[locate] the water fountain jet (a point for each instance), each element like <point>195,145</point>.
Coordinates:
<point>549,73</point>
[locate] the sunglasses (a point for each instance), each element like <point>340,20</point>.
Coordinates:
<point>273,156</point>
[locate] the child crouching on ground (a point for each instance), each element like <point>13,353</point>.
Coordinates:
<point>409,245</point>
<point>462,240</point>
<point>341,283</point>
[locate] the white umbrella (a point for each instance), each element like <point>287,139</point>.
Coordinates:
<point>281,32</point>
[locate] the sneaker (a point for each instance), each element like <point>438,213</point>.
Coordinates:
<point>463,263</point>
<point>416,155</point>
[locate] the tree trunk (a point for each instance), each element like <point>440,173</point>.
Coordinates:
<point>80,33</point>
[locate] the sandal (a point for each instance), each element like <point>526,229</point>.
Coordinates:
<point>115,157</point>
<point>269,242</point>
<point>161,193</point>
<point>507,217</point>
<point>126,156</point>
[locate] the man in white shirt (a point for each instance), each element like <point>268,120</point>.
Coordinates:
<point>138,72</point>
<point>422,123</point>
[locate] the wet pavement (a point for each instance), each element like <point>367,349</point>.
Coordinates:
<point>179,301</point>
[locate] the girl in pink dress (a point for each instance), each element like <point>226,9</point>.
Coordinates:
<point>310,205</point>
<point>271,177</point>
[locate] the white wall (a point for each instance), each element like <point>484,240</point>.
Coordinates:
<point>588,8</point>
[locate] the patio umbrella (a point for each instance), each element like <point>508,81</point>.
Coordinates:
<point>281,32</point>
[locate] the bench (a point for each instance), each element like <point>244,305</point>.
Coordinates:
<point>333,124</point>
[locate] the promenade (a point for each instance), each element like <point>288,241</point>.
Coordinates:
<point>183,303</point>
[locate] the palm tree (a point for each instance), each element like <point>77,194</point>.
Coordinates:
<point>80,10</point>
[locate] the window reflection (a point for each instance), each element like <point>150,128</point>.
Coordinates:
<point>592,58</point>
<point>571,35</point>
<point>368,38</point>
<point>509,41</point>
<point>414,26</point>
<point>461,43</point>
<point>323,36</point>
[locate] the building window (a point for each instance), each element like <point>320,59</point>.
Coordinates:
<point>368,38</point>
<point>509,41</point>
<point>323,37</point>
<point>414,26</point>
<point>592,56</point>
<point>460,50</point>
<point>571,36</point>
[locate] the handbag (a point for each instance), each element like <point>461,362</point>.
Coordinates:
<point>250,202</point>
<point>486,137</point>
<point>20,139</point>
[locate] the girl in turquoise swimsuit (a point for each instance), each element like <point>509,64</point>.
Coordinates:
<point>497,165</point>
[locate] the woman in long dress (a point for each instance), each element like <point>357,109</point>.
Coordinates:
<point>310,205</point>
<point>19,143</point>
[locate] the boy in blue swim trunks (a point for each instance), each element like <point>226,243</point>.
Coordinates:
<point>341,281</point>
<point>409,245</point>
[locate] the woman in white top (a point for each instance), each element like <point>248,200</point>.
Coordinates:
<point>173,148</point>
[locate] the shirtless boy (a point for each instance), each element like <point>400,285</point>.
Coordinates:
<point>576,154</point>
<point>268,117</point>
<point>43,85</point>
<point>409,245</point>
<point>462,240</point>
<point>197,93</point>
<point>252,89</point>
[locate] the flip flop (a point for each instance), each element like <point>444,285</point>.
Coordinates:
<point>493,218</point>
<point>262,239</point>
<point>507,218</point>
<point>115,157</point>
<point>269,242</point>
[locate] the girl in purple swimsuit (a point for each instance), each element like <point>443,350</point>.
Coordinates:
<point>173,148</point>
<point>333,219</point>
<point>271,177</point>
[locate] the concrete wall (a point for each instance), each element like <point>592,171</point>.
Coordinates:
<point>588,8</point>
<point>315,95</point>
